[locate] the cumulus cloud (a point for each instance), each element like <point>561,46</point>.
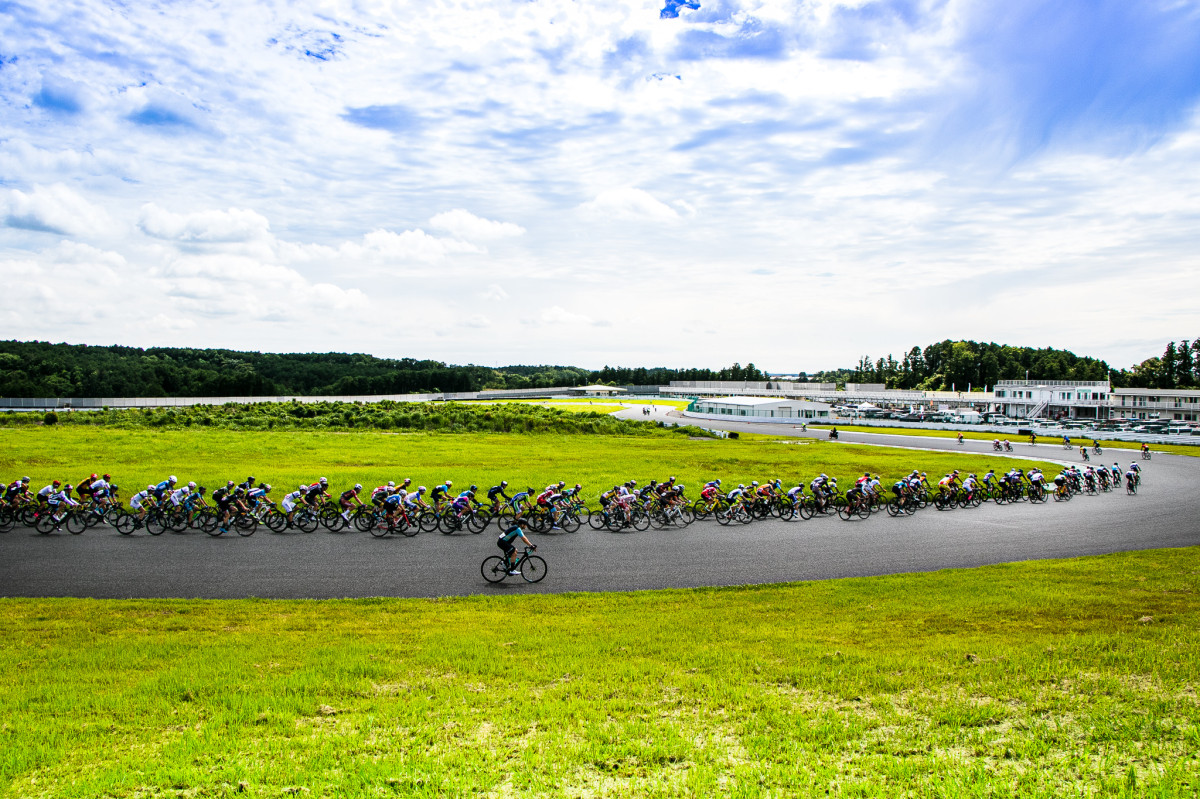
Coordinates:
<point>408,245</point>
<point>466,225</point>
<point>630,204</point>
<point>233,225</point>
<point>52,209</point>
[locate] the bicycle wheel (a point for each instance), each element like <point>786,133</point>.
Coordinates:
<point>155,523</point>
<point>404,526</point>
<point>659,519</point>
<point>28,516</point>
<point>598,520</point>
<point>570,522</point>
<point>46,524</point>
<point>125,523</point>
<point>304,520</point>
<point>742,515</point>
<point>787,512</point>
<point>7,520</point>
<point>76,523</point>
<point>493,569</point>
<point>864,510</point>
<point>640,520</point>
<point>450,523</point>
<point>478,521</point>
<point>686,515</point>
<point>583,513</point>
<point>177,521</point>
<point>246,524</point>
<point>364,520</point>
<point>804,509</point>
<point>275,520</point>
<point>893,507</point>
<point>427,521</point>
<point>533,569</point>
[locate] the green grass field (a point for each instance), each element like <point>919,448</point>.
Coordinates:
<point>286,459</point>
<point>1073,678</point>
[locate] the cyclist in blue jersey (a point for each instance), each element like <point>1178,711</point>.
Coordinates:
<point>505,542</point>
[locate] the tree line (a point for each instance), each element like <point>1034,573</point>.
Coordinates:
<point>964,365</point>
<point>42,369</point>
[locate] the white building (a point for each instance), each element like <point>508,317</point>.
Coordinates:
<point>1171,404</point>
<point>759,409</point>
<point>1054,399</point>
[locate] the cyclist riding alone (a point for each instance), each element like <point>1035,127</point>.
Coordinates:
<point>505,542</point>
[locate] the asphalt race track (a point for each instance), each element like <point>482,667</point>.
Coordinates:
<point>101,563</point>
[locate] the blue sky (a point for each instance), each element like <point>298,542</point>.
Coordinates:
<point>678,183</point>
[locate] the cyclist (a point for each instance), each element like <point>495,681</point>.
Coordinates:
<point>1066,441</point>
<point>178,496</point>
<point>440,494</point>
<point>495,493</point>
<point>960,438</point>
<point>902,489</point>
<point>348,499</point>
<point>1137,470</point>
<point>547,500</point>
<point>379,494</point>
<point>141,502</point>
<point>17,490</point>
<point>164,488</point>
<point>43,496</point>
<point>291,500</point>
<point>521,502</point>
<point>1131,476</point>
<point>1083,452</point>
<point>257,497</point>
<point>1007,446</point>
<point>84,487</point>
<point>247,486</point>
<point>505,542</point>
<point>101,490</point>
<point>795,495</point>
<point>1060,484</point>
<point>60,500</point>
<point>194,502</point>
<point>1033,439</point>
<point>1145,450</point>
<point>414,502</point>
<point>820,486</point>
<point>312,497</point>
<point>463,502</point>
<point>228,504</point>
<point>996,444</point>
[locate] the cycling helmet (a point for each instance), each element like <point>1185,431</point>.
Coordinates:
<point>742,486</point>
<point>239,490</point>
<point>824,475</point>
<point>503,483</point>
<point>303,487</point>
<point>420,489</point>
<point>561,483</point>
<point>68,487</point>
<point>250,479</point>
<point>24,479</point>
<point>671,479</point>
<point>266,486</point>
<point>529,490</point>
<point>679,488</point>
<point>150,488</point>
<point>391,484</point>
<point>717,481</point>
<point>191,484</point>
<point>323,481</point>
<point>93,477</point>
<point>358,486</point>
<point>970,475</point>
<point>578,486</point>
<point>172,479</point>
<point>107,477</point>
<point>474,487</point>
<point>753,482</point>
<point>449,482</point>
<point>407,480</point>
<point>58,483</point>
<point>199,490</point>
<point>229,484</point>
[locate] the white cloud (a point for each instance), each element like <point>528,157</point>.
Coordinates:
<point>409,245</point>
<point>495,292</point>
<point>630,204</point>
<point>234,225</point>
<point>466,225</point>
<point>52,209</point>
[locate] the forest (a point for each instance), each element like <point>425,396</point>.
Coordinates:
<point>962,365</point>
<point>42,369</point>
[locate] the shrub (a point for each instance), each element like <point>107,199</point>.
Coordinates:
<point>50,418</point>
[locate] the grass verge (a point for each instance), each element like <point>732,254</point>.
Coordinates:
<point>1051,678</point>
<point>1019,442</point>
<point>138,457</point>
